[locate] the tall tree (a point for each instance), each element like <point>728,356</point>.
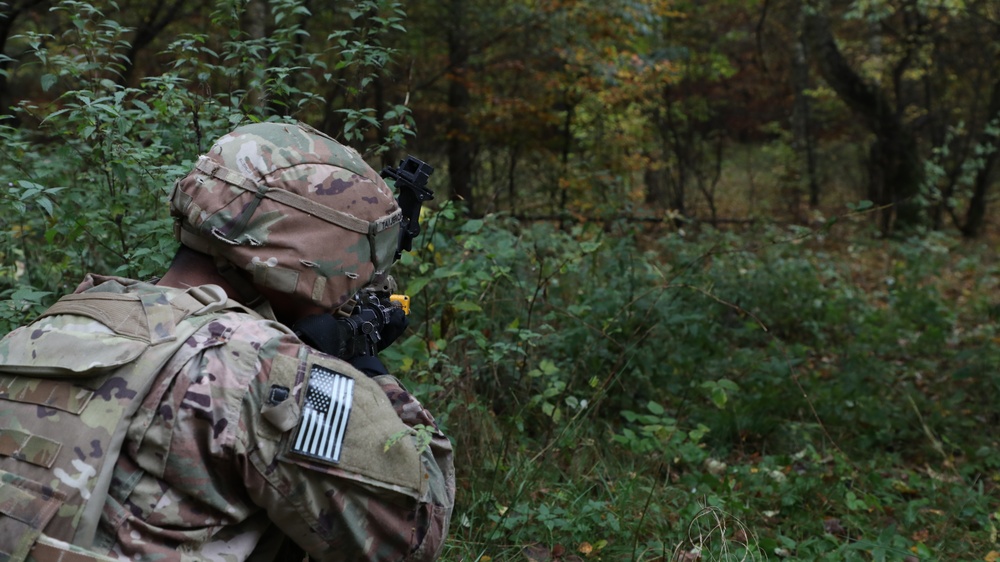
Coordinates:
<point>10,11</point>
<point>985,176</point>
<point>152,18</point>
<point>894,165</point>
<point>804,142</point>
<point>459,145</point>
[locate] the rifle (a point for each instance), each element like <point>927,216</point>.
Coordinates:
<point>376,315</point>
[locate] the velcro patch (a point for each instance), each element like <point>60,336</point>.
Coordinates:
<point>324,415</point>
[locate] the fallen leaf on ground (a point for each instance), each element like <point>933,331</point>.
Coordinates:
<point>833,526</point>
<point>740,536</point>
<point>537,553</point>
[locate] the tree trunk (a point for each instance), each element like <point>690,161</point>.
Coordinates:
<point>653,178</point>
<point>975,215</point>
<point>255,23</point>
<point>160,15</point>
<point>6,24</point>
<point>379,95</point>
<point>673,150</point>
<point>459,150</point>
<point>567,146</point>
<point>9,12</point>
<point>895,174</point>
<point>803,143</point>
<point>515,155</point>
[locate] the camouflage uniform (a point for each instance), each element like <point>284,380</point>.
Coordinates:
<point>209,468</point>
<point>155,424</point>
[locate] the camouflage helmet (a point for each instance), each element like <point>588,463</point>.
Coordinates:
<point>300,212</point>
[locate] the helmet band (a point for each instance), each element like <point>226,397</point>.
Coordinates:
<point>295,201</point>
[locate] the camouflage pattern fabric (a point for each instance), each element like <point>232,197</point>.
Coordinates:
<point>209,470</point>
<point>302,213</point>
<point>64,418</point>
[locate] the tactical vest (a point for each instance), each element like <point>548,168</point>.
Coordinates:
<point>68,391</point>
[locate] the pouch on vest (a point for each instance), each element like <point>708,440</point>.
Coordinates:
<point>71,382</point>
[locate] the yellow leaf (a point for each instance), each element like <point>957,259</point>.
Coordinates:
<point>993,556</point>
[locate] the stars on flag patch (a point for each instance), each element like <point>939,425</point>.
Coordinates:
<point>324,415</point>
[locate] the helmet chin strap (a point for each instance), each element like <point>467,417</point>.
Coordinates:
<point>265,310</point>
<point>248,293</point>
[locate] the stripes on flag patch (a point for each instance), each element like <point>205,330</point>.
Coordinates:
<point>324,415</point>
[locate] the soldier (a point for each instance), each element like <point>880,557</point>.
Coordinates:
<point>186,420</point>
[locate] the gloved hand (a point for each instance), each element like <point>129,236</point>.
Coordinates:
<point>325,332</point>
<point>369,329</point>
<point>395,325</point>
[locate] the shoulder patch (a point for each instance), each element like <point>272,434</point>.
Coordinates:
<point>329,396</point>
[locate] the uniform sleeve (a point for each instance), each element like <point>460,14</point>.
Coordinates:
<point>329,453</point>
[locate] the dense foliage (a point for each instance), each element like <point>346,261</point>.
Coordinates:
<point>622,381</point>
<point>577,108</point>
<point>779,390</point>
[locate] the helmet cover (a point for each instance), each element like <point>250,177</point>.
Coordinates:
<point>300,212</point>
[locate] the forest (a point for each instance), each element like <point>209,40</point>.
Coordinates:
<point>701,280</point>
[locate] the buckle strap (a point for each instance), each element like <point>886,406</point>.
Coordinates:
<point>47,549</point>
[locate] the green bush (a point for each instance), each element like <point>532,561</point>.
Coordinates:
<point>580,358</point>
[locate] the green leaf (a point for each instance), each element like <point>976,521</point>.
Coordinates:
<point>728,385</point>
<point>45,204</point>
<point>467,306</point>
<point>719,397</point>
<point>422,436</point>
<point>472,226</point>
<point>416,284</point>
<point>48,80</point>
<point>548,367</point>
<point>28,294</point>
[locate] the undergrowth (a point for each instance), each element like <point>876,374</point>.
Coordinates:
<point>768,395</point>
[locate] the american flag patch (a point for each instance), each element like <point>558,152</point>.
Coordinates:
<point>324,415</point>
